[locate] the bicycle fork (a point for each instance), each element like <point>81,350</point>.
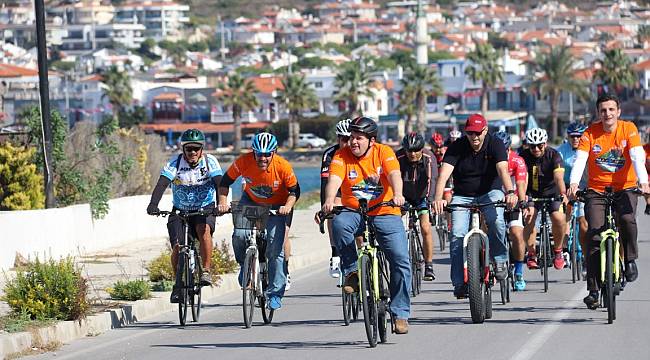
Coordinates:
<point>475,227</point>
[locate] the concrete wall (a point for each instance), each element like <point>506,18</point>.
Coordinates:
<point>72,231</point>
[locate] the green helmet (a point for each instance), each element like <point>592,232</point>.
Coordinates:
<point>192,136</point>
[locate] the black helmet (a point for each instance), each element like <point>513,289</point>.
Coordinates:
<point>413,142</point>
<point>364,125</point>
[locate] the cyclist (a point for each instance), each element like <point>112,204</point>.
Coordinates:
<point>518,172</point>
<point>268,180</point>
<point>453,136</point>
<point>568,153</point>
<point>194,177</point>
<point>439,147</point>
<point>342,138</point>
<point>419,171</point>
<point>611,149</point>
<point>545,179</point>
<point>479,164</point>
<point>367,169</point>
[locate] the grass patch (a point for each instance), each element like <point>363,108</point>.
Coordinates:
<point>307,200</point>
<point>14,323</point>
<point>36,349</point>
<point>130,290</point>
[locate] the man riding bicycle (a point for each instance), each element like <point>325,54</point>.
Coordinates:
<point>194,177</point>
<point>517,171</point>
<point>342,139</point>
<point>479,164</point>
<point>366,169</point>
<point>611,148</point>
<point>268,180</point>
<point>545,180</point>
<point>419,171</point>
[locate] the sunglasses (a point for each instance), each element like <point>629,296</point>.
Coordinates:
<point>575,136</point>
<point>474,133</point>
<point>193,148</point>
<point>538,146</point>
<point>263,154</point>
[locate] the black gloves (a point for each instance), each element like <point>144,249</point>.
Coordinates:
<point>152,209</point>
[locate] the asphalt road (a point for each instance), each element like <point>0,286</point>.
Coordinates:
<point>535,325</point>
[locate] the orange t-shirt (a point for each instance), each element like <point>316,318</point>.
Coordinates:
<point>357,177</point>
<point>609,161</point>
<point>264,186</point>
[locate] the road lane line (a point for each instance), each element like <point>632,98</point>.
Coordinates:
<point>530,348</point>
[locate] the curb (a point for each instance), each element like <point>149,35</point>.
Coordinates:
<point>127,314</point>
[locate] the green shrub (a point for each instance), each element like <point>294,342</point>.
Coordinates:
<point>48,290</point>
<point>160,268</point>
<point>222,261</point>
<point>162,285</point>
<point>17,322</point>
<point>130,290</point>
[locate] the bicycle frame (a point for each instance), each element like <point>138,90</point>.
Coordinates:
<point>613,234</point>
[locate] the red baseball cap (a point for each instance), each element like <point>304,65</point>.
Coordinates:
<point>476,122</point>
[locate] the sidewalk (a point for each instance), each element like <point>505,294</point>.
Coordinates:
<point>105,267</point>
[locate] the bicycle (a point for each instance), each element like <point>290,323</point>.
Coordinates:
<point>439,221</point>
<point>373,275</point>
<point>573,243</point>
<point>255,276</point>
<point>415,248</point>
<point>612,270</point>
<point>351,302</point>
<point>478,270</point>
<point>545,236</point>
<point>188,269</point>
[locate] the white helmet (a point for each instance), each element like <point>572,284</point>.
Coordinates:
<point>343,127</point>
<point>536,136</point>
<point>455,134</point>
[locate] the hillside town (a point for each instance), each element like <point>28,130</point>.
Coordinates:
<point>176,69</point>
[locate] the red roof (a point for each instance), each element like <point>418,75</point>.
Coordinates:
<point>10,71</point>
<point>644,65</point>
<point>169,96</point>
<point>205,127</point>
<point>268,84</point>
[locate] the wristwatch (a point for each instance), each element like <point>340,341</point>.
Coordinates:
<point>510,192</point>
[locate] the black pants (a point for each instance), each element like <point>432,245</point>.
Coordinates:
<point>624,215</point>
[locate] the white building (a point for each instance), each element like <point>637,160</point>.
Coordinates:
<point>83,37</point>
<point>163,20</point>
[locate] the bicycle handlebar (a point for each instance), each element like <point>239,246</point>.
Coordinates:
<point>338,209</point>
<point>474,206</point>
<point>183,213</point>
<point>546,199</point>
<point>608,194</point>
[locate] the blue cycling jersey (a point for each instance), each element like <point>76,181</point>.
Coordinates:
<point>192,188</point>
<point>568,155</point>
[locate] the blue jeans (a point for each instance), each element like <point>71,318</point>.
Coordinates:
<point>275,228</point>
<point>460,223</point>
<point>392,240</point>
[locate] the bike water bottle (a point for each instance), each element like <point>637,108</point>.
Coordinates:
<point>191,255</point>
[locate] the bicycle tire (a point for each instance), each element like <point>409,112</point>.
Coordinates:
<point>442,233</point>
<point>488,302</point>
<point>248,287</point>
<point>609,298</point>
<point>182,283</point>
<point>574,251</point>
<point>413,257</point>
<point>420,260</point>
<point>544,245</point>
<point>383,311</point>
<point>503,287</point>
<point>346,300</point>
<point>195,299</point>
<point>267,314</point>
<point>475,278</point>
<point>368,302</point>
<point>356,306</point>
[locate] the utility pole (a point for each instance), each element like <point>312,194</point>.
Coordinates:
<point>44,89</point>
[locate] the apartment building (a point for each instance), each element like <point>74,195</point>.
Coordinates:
<point>163,19</point>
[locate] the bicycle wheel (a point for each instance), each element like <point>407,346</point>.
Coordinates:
<point>575,272</point>
<point>368,302</point>
<point>248,287</point>
<point>356,306</point>
<point>544,246</point>
<point>420,261</point>
<point>488,302</point>
<point>181,284</point>
<point>267,314</point>
<point>416,269</point>
<point>195,299</point>
<point>608,296</point>
<point>503,287</point>
<point>475,276</point>
<point>347,307</point>
<point>383,312</point>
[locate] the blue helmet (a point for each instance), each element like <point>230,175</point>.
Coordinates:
<point>264,143</point>
<point>505,137</point>
<point>576,128</point>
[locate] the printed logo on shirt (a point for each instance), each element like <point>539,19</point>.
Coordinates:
<point>367,189</point>
<point>352,174</point>
<point>611,161</point>
<point>262,191</point>
<point>596,149</point>
<point>247,180</point>
<point>276,183</point>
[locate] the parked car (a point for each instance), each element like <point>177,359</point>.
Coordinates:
<point>310,140</point>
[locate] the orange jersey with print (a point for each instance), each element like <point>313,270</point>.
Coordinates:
<point>609,161</point>
<point>360,177</point>
<point>264,186</point>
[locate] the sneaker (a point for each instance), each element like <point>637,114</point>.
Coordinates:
<point>335,266</point>
<point>401,326</point>
<point>591,300</point>
<point>351,284</point>
<point>532,261</point>
<point>460,291</point>
<point>558,260</point>
<point>274,302</point>
<point>429,275</point>
<point>631,271</point>
<point>176,296</point>
<point>206,279</point>
<point>520,283</point>
<point>501,271</point>
<point>287,285</point>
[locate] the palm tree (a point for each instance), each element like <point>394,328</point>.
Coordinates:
<point>406,107</point>
<point>553,72</point>
<point>240,95</point>
<point>118,92</point>
<point>296,96</point>
<point>352,82</point>
<point>421,82</point>
<point>484,67</point>
<point>617,71</point>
